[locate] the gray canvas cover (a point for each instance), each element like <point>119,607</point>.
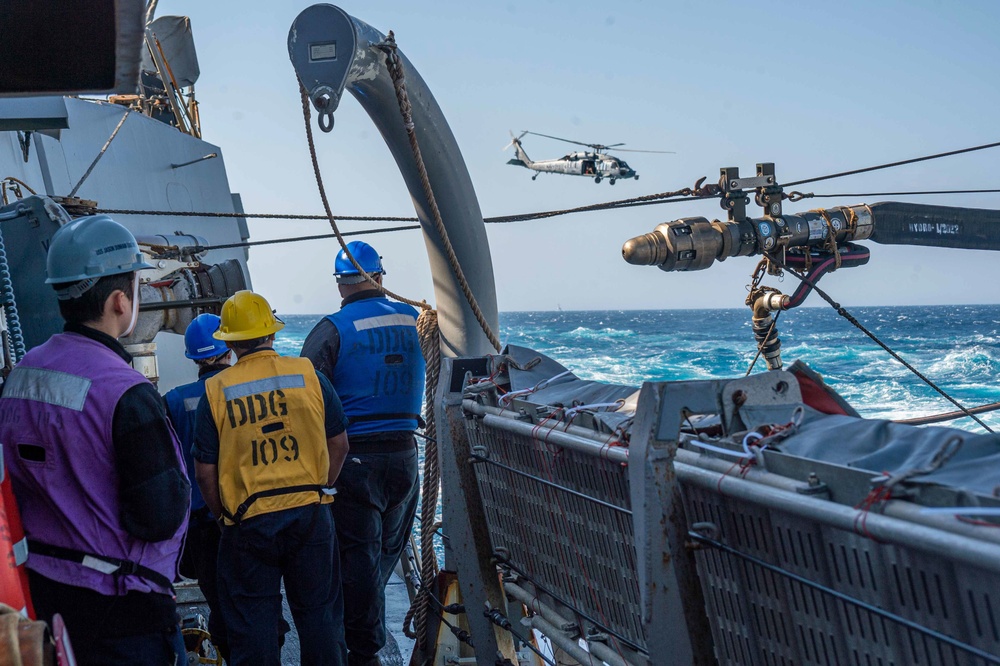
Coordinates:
<point>878,446</point>
<point>569,390</point>
<point>177,42</point>
<point>883,446</point>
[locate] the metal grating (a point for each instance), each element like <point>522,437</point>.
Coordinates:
<point>761,617</point>
<point>564,519</point>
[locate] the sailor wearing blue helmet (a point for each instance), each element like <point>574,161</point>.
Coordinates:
<point>201,547</point>
<point>370,351</point>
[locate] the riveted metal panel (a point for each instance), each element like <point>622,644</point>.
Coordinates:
<point>563,517</point>
<point>761,617</point>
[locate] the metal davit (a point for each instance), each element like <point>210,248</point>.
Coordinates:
<point>332,51</point>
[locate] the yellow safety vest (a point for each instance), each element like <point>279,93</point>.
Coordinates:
<point>269,412</point>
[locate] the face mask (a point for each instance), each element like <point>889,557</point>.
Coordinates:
<point>135,307</point>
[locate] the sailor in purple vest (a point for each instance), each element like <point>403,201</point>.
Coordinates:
<point>201,548</point>
<point>371,353</point>
<point>96,467</point>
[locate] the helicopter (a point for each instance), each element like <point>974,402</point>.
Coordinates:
<point>596,164</point>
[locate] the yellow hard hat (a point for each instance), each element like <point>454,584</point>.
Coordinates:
<point>245,316</point>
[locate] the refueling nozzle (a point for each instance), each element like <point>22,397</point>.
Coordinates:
<point>694,243</point>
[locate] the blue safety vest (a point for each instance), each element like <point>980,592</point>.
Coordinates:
<point>380,369</point>
<point>182,405</point>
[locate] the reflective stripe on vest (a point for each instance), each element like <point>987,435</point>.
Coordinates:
<point>269,413</point>
<point>266,384</point>
<point>385,320</point>
<point>53,387</point>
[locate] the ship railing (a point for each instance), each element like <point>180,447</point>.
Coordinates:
<point>559,514</point>
<point>657,553</point>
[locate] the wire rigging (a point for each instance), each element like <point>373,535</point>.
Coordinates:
<point>798,196</point>
<point>259,216</point>
<point>684,194</point>
<point>849,317</point>
<point>296,239</point>
<point>651,199</point>
<point>889,165</point>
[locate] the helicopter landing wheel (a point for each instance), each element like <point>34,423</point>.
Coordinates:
<point>612,181</point>
<point>534,177</point>
<point>597,179</point>
<point>636,176</point>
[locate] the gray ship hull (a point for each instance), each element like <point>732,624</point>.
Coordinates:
<point>134,173</point>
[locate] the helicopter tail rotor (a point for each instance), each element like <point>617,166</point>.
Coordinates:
<point>514,139</point>
<point>521,158</point>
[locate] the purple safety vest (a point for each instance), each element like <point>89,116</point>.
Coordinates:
<point>61,400</point>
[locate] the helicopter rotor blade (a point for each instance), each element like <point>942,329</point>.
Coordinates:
<point>599,147</point>
<point>633,150</point>
<point>557,138</point>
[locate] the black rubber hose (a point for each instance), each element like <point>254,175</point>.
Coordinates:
<point>935,226</point>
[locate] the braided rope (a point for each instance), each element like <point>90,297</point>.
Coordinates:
<point>430,345</point>
<point>395,67</point>
<point>429,334</point>
<point>831,236</point>
<point>307,116</point>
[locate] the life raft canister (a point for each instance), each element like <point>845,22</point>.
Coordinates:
<point>13,551</point>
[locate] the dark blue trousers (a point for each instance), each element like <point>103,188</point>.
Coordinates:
<point>200,560</point>
<point>137,629</point>
<point>377,497</point>
<point>157,649</point>
<point>299,545</point>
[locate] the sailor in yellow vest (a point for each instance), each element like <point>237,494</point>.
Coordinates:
<point>269,443</point>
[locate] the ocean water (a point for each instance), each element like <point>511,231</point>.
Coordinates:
<point>957,347</point>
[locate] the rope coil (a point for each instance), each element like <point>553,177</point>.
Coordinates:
<point>430,345</point>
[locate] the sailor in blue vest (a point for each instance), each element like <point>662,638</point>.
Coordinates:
<point>201,549</point>
<point>371,353</point>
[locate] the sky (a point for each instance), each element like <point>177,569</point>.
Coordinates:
<point>815,87</point>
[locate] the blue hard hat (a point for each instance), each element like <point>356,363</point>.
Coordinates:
<point>198,341</point>
<point>365,255</point>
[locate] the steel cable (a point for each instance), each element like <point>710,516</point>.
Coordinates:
<point>661,198</point>
<point>892,164</point>
<point>798,196</point>
<point>849,317</point>
<point>97,159</point>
